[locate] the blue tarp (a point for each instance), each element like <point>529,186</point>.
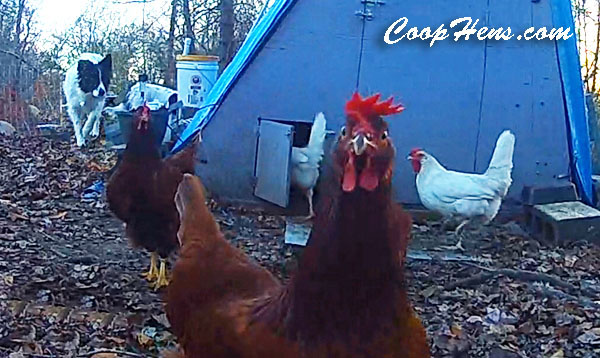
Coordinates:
<point>257,35</point>
<point>570,70</point>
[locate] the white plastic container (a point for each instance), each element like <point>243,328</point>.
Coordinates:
<point>196,75</point>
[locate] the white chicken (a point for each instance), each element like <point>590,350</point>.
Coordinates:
<point>466,195</point>
<point>306,161</point>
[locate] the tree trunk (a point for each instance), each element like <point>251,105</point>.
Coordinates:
<point>18,20</point>
<point>187,21</point>
<point>594,76</point>
<point>170,75</point>
<point>226,24</point>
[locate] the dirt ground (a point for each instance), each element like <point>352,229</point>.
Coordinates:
<point>70,284</point>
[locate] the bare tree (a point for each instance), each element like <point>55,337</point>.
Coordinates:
<point>170,73</point>
<point>19,19</point>
<point>226,41</point>
<point>187,20</point>
<point>587,21</point>
<point>208,17</point>
<point>593,76</point>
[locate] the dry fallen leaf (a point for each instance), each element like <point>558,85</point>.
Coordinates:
<point>570,260</point>
<point>15,217</point>
<point>559,354</point>
<point>526,328</point>
<point>429,291</point>
<point>144,339</point>
<point>116,340</point>
<point>9,280</point>
<point>104,355</point>
<point>589,338</point>
<point>162,319</point>
<point>58,216</point>
<point>456,330</point>
<point>474,319</point>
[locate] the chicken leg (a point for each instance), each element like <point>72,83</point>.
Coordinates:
<point>311,212</point>
<point>458,233</point>
<point>162,280</point>
<point>152,273</point>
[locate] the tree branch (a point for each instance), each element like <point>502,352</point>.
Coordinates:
<point>521,275</point>
<point>18,57</point>
<point>114,351</point>
<point>552,293</point>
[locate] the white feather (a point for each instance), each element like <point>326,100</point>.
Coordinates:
<point>306,161</point>
<point>501,164</point>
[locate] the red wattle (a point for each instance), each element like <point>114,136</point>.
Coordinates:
<point>368,179</point>
<point>349,179</point>
<point>416,164</point>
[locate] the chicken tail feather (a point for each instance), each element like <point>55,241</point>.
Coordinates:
<point>501,165</point>
<point>184,160</point>
<point>317,138</point>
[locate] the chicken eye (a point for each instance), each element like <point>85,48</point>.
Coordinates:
<point>343,131</point>
<point>384,135</point>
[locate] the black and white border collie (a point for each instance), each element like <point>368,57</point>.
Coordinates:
<point>85,87</point>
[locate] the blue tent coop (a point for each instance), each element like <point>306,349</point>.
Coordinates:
<point>306,56</point>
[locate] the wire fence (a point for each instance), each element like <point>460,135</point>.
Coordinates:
<point>28,97</point>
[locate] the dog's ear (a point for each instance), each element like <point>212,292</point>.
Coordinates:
<point>85,66</point>
<point>106,70</point>
<point>88,75</point>
<point>106,61</point>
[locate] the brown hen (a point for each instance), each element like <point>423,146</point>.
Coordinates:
<point>348,298</point>
<point>141,193</point>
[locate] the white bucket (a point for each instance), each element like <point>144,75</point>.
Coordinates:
<point>196,75</point>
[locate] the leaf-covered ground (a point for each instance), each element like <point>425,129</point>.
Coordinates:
<point>70,284</point>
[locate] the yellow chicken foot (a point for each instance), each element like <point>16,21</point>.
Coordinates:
<point>152,273</point>
<point>162,280</point>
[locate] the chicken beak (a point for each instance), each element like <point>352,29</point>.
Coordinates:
<point>409,158</point>
<point>359,144</point>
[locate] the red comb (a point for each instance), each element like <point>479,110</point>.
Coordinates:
<point>370,106</point>
<point>144,117</point>
<point>146,110</point>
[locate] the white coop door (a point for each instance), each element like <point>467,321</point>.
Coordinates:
<point>273,160</point>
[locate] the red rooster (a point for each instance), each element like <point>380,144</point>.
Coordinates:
<point>348,298</point>
<point>141,192</point>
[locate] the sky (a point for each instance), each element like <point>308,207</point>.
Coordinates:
<point>57,15</point>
